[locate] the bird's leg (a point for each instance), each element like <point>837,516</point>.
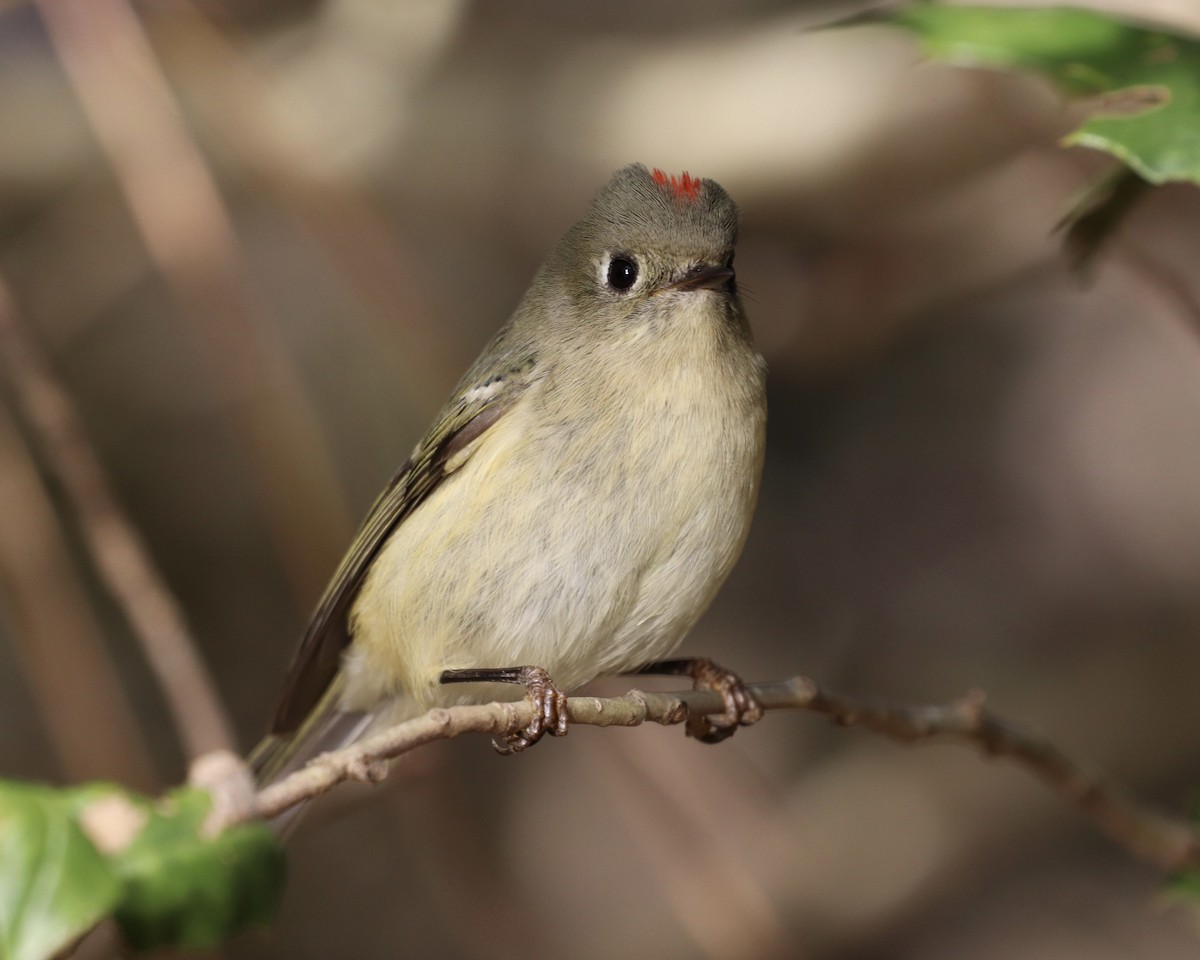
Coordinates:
<point>740,706</point>
<point>549,704</point>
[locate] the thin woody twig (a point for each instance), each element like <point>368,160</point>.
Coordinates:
<point>120,556</point>
<point>1171,844</point>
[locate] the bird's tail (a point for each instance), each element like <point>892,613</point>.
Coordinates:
<point>326,728</point>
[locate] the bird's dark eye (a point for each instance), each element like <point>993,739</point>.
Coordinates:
<point>622,273</point>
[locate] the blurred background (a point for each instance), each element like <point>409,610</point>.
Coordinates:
<point>259,241</point>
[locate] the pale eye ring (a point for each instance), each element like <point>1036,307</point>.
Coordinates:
<point>621,272</point>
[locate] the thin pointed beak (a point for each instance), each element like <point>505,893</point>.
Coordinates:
<point>704,276</point>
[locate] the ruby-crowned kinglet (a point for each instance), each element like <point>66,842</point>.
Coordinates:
<point>576,503</point>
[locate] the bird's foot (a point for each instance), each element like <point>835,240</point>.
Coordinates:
<point>741,709</point>
<point>549,703</point>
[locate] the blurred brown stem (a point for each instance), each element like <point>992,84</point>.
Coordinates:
<point>189,235</point>
<point>1169,843</point>
<point>121,558</point>
<point>233,106</point>
<point>54,634</point>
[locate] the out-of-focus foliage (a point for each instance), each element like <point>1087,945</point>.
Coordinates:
<point>165,882</point>
<point>181,888</point>
<point>1150,79</point>
<point>54,884</point>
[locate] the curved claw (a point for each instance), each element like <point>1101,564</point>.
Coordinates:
<point>549,703</point>
<point>549,713</point>
<point>741,709</point>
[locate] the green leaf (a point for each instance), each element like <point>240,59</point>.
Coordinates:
<point>184,889</point>
<point>1148,114</point>
<point>166,883</point>
<point>54,885</point>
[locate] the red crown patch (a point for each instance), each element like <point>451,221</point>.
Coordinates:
<point>685,187</point>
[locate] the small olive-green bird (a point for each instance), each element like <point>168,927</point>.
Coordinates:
<point>575,505</point>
